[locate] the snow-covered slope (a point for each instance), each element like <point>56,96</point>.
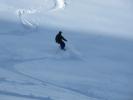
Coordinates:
<point>96,66</point>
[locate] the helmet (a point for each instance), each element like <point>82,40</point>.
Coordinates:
<point>60,32</point>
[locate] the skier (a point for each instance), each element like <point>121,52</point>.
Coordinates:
<point>60,40</point>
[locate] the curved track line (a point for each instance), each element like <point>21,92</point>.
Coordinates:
<point>46,83</point>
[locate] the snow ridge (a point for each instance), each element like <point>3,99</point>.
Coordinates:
<point>21,13</point>
<point>59,5</point>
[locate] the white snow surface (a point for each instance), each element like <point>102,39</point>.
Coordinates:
<point>97,63</point>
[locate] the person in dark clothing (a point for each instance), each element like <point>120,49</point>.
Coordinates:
<point>60,40</point>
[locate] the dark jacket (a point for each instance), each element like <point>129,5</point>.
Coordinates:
<point>59,38</point>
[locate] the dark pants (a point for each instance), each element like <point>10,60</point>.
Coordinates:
<point>62,45</point>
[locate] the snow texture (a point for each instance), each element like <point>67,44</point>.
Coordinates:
<point>97,63</point>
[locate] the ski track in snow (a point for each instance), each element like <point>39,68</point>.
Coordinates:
<point>7,93</point>
<point>13,59</point>
<point>39,83</point>
<point>23,13</point>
